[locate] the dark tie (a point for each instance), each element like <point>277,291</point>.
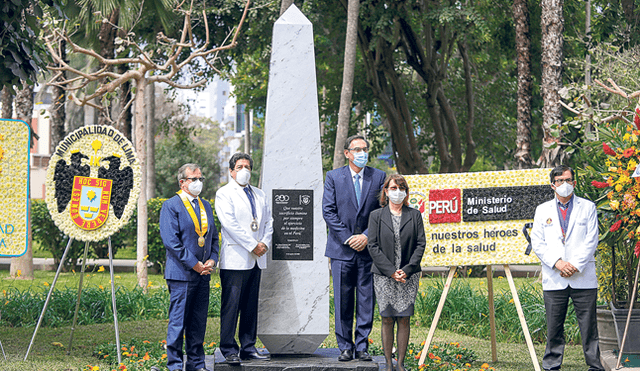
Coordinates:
<point>196,208</point>
<point>357,185</point>
<point>253,202</point>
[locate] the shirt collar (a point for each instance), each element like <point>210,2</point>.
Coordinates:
<point>189,197</point>
<point>353,173</point>
<point>569,203</point>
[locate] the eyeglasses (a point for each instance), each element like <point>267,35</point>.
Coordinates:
<point>560,181</point>
<point>194,179</point>
<point>359,149</point>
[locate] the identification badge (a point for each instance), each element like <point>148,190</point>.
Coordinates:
<point>254,225</point>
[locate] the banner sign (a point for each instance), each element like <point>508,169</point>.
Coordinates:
<point>15,143</point>
<point>477,218</point>
<point>93,183</point>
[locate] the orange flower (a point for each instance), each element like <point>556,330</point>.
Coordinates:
<point>146,356</point>
<point>628,152</point>
<point>370,341</point>
<point>431,356</point>
<point>484,366</point>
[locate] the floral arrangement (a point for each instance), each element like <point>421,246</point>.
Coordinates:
<point>615,158</point>
<point>14,188</point>
<point>94,153</point>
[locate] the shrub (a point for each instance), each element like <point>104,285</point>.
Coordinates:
<point>22,308</point>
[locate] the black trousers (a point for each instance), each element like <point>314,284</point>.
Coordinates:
<point>556,303</point>
<point>239,298</point>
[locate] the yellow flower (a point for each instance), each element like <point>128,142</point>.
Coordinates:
<point>614,204</point>
<point>618,187</point>
<point>100,287</point>
<point>511,301</point>
<point>101,269</point>
<point>217,285</point>
<point>163,356</point>
<point>631,166</point>
<point>484,366</point>
<point>95,368</point>
<point>45,283</point>
<point>149,284</point>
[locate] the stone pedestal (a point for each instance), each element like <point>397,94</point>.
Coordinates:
<point>293,314</point>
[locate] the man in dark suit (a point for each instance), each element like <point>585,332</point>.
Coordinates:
<point>351,193</point>
<point>191,240</point>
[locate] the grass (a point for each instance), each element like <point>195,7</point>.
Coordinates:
<point>48,352</point>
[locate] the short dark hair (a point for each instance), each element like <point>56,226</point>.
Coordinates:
<point>559,170</point>
<point>239,156</point>
<point>347,143</point>
<point>400,182</point>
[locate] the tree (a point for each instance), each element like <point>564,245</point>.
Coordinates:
<point>161,62</point>
<point>344,115</point>
<point>24,111</point>
<point>552,42</point>
<point>21,49</point>
<point>523,53</point>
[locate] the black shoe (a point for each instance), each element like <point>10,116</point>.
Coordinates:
<point>232,359</point>
<point>363,356</point>
<point>346,355</point>
<point>255,356</point>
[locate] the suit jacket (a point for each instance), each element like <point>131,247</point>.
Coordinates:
<point>233,209</point>
<point>579,248</point>
<point>341,212</point>
<point>181,241</point>
<point>382,241</point>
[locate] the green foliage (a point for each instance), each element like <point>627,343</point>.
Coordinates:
<point>22,308</point>
<point>467,311</point>
<point>186,142</point>
<point>22,49</point>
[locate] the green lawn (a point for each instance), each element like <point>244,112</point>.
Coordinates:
<point>46,354</point>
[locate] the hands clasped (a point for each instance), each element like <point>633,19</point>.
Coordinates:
<point>206,268</point>
<point>260,249</point>
<point>566,269</point>
<point>399,276</point>
<point>358,242</point>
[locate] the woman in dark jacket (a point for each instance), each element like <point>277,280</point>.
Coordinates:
<point>396,245</point>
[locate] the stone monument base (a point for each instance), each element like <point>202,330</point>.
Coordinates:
<point>324,359</point>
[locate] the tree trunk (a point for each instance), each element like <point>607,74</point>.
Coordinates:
<point>24,111</point>
<point>141,148</point>
<point>284,5</point>
<point>151,141</point>
<point>387,88</point>
<point>7,103</point>
<point>524,160</point>
<point>57,109</point>
<point>344,114</point>
<point>107,36</point>
<point>124,124</point>
<point>552,29</point>
<point>470,151</point>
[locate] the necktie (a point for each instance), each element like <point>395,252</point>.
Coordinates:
<point>196,208</point>
<point>253,203</point>
<point>357,185</point>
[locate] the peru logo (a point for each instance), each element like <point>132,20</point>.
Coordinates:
<point>444,206</point>
<point>417,200</point>
<point>90,202</point>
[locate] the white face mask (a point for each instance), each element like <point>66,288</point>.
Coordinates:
<point>564,190</point>
<point>195,188</point>
<point>243,176</point>
<point>396,196</point>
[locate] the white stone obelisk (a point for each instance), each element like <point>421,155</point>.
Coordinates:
<point>293,314</point>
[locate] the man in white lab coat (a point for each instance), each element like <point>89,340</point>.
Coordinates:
<point>565,238</point>
<point>247,227</point>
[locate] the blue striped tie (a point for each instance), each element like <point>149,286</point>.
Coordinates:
<point>357,185</point>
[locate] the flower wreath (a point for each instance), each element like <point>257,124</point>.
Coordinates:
<point>93,183</point>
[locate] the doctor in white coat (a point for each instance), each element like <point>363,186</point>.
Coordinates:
<point>247,227</point>
<point>565,238</point>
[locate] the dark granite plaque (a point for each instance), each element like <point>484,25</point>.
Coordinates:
<point>292,224</point>
<point>503,203</point>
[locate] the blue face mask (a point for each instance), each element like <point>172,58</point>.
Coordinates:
<point>360,159</point>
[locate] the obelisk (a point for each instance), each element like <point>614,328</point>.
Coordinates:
<point>293,314</point>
